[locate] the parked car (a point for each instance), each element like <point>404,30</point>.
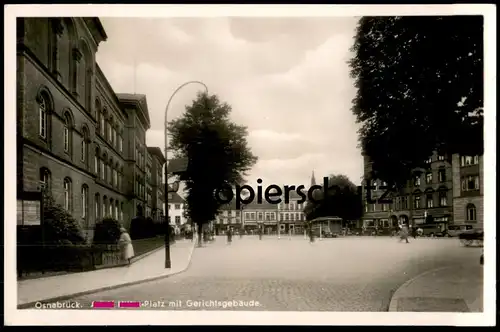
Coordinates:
<point>328,234</point>
<point>467,238</point>
<point>456,230</point>
<point>433,230</point>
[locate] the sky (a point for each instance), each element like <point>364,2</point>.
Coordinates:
<point>287,80</point>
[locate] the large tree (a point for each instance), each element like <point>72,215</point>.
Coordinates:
<point>342,200</point>
<point>217,152</point>
<point>420,89</point>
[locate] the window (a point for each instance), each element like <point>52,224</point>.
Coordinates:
<point>416,202</point>
<point>84,146</point>
<point>404,202</point>
<point>108,174</point>
<point>45,179</point>
<point>428,161</point>
<point>178,220</point>
<point>96,161</point>
<point>97,205</point>
<point>85,195</point>
<point>428,177</point>
<point>261,216</point>
<point>103,170</point>
<point>442,175</point>
<point>470,183</point>
<point>292,216</point>
<point>103,210</point>
<point>430,201</point>
<point>416,182</point>
<point>111,208</point>
<point>443,198</point>
<point>117,216</point>
<point>120,144</point>
<point>42,114</point>
<point>103,123</point>
<point>469,160</point>
<point>110,130</point>
<point>286,216</point>
<point>121,212</point>
<point>178,207</point>
<point>440,157</point>
<point>115,177</point>
<point>384,207</point>
<point>67,194</point>
<point>471,212</point>
<point>67,133</point>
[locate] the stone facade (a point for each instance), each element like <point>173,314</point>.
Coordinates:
<point>75,136</point>
<point>468,195</point>
<point>429,192</point>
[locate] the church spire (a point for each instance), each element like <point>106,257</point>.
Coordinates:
<point>313,179</point>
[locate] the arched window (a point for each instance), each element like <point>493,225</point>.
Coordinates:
<point>471,212</point>
<point>85,201</point>
<point>110,130</point>
<point>103,122</point>
<point>103,168</point>
<point>97,110</point>
<point>109,175</point>
<point>44,180</point>
<point>111,206</point>
<point>97,206</point>
<point>104,203</point>
<point>96,161</point>
<point>85,145</point>
<point>67,194</point>
<point>42,115</point>
<point>115,175</point>
<point>67,133</point>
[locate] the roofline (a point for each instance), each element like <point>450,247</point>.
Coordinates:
<point>137,103</point>
<point>106,82</point>
<point>100,28</point>
<point>157,152</point>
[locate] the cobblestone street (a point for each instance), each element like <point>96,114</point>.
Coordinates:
<point>343,274</point>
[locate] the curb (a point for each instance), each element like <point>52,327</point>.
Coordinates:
<point>393,305</point>
<point>133,260</point>
<point>30,305</point>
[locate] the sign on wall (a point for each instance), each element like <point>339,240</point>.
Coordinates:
<point>28,213</point>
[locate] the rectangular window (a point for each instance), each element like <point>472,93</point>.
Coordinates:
<point>470,183</point>
<point>43,122</point>
<point>428,178</point>
<point>417,181</point>
<point>178,220</point>
<point>178,207</point>
<point>476,160</point>
<point>430,201</point>
<point>416,202</point>
<point>443,198</point>
<point>96,208</point>
<point>66,139</point>
<point>442,175</point>
<point>440,157</point>
<point>103,171</point>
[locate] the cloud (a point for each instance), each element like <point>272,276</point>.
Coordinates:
<point>287,80</point>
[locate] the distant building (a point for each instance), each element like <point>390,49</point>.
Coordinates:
<point>263,216</point>
<point>229,216</point>
<point>428,193</point>
<point>468,190</point>
<point>156,190</point>
<point>176,210</point>
<point>291,215</point>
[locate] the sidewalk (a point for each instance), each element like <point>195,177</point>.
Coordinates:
<point>76,284</point>
<point>447,289</point>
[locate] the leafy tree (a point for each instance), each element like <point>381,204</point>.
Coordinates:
<point>217,151</point>
<point>107,231</point>
<point>420,89</point>
<point>342,200</point>
<point>59,226</point>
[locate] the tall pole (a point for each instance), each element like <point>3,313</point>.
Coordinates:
<point>168,262</point>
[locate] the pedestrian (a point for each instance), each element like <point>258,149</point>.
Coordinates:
<point>403,234</point>
<point>229,235</point>
<point>126,247</point>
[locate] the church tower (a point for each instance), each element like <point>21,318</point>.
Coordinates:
<point>313,179</point>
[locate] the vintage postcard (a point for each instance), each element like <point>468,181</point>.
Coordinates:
<point>250,164</point>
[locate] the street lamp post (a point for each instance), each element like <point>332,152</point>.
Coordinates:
<point>168,262</point>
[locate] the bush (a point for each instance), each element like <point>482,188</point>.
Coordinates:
<point>107,231</point>
<point>59,226</point>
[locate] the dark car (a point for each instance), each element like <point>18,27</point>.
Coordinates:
<point>467,238</point>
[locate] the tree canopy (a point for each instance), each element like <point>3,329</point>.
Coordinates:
<point>420,89</point>
<point>217,152</point>
<point>342,200</point>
